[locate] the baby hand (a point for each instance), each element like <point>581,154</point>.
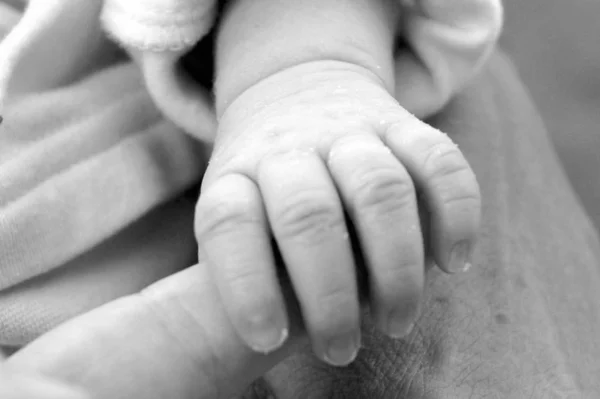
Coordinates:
<point>294,155</point>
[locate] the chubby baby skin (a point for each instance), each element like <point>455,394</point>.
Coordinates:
<point>310,138</point>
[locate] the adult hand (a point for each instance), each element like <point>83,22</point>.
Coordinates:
<point>516,326</point>
<point>172,340</point>
<point>18,385</point>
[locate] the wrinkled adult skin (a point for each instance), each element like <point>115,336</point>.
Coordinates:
<point>521,324</point>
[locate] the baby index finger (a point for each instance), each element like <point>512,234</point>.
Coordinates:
<point>233,234</point>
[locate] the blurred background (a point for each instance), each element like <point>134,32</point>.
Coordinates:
<point>555,45</point>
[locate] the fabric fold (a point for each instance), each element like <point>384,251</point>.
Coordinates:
<point>98,138</point>
<point>448,41</point>
<point>85,155</point>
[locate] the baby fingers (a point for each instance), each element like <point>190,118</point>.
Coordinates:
<point>233,235</point>
<point>441,172</point>
<point>380,196</point>
<point>308,222</point>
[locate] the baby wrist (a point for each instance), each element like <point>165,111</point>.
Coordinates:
<point>314,79</point>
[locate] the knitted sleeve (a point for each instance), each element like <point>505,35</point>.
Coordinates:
<point>157,33</point>
<point>446,44</point>
<point>158,25</point>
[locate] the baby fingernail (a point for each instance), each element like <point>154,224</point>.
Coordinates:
<point>267,334</point>
<point>460,257</point>
<point>342,351</point>
<point>398,326</point>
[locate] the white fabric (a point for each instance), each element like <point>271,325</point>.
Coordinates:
<point>158,25</point>
<point>91,171</point>
<point>448,39</point>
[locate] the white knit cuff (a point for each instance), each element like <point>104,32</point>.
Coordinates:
<point>449,41</point>
<point>158,25</point>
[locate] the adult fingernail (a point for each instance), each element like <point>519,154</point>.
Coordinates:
<point>266,334</point>
<point>342,350</point>
<point>460,257</point>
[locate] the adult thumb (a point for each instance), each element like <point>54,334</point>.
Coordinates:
<point>172,340</point>
<point>15,384</point>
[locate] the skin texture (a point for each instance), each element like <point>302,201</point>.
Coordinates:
<point>520,324</point>
<point>16,384</point>
<point>554,44</point>
<point>308,142</point>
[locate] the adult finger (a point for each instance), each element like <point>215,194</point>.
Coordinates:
<point>19,385</point>
<point>173,340</point>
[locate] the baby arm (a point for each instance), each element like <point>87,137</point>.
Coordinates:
<point>309,132</point>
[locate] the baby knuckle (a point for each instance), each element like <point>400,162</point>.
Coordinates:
<point>254,305</point>
<point>222,216</point>
<point>444,160</point>
<point>244,280</point>
<point>383,190</point>
<point>338,309</point>
<point>460,190</point>
<point>464,196</point>
<point>405,280</point>
<point>308,216</point>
